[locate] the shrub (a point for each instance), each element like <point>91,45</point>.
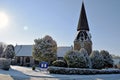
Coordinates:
<point>97,60</point>
<point>33,67</point>
<point>59,63</point>
<point>61,70</point>
<point>13,62</point>
<point>77,59</point>
<point>108,62</point>
<point>45,49</point>
<point>5,63</point>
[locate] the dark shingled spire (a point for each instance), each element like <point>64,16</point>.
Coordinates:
<point>83,23</point>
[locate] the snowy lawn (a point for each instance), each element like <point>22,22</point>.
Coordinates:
<point>13,72</point>
<point>27,72</point>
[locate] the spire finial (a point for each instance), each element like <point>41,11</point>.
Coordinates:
<point>82,1</point>
<point>83,23</point>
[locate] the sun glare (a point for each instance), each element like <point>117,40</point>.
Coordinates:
<point>3,20</point>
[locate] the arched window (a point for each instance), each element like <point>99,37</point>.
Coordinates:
<point>27,60</point>
<point>82,35</point>
<point>18,60</point>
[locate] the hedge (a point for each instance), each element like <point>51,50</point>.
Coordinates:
<point>82,71</point>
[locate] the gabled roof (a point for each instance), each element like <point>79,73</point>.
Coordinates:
<point>61,51</point>
<point>83,23</point>
<point>26,50</point>
<point>23,50</point>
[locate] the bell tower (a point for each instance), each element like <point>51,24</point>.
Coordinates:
<point>83,38</point>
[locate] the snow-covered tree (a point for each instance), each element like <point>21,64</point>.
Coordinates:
<point>9,52</point>
<point>45,49</point>
<point>108,62</point>
<point>88,61</point>
<point>2,48</point>
<point>97,60</point>
<point>77,59</point>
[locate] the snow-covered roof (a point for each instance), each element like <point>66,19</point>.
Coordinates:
<point>62,50</point>
<point>26,50</point>
<point>23,50</point>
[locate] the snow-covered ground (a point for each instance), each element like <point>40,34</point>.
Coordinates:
<point>26,73</point>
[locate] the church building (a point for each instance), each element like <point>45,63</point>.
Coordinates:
<point>82,40</point>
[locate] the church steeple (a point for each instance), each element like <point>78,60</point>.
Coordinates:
<point>83,37</point>
<point>83,23</point>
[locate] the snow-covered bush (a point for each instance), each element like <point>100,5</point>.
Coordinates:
<point>77,59</point>
<point>59,63</point>
<point>45,49</point>
<point>86,56</point>
<point>13,61</point>
<point>9,52</point>
<point>108,62</point>
<point>61,70</point>
<point>5,63</point>
<point>97,60</point>
<point>33,67</point>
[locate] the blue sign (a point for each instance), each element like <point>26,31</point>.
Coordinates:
<point>43,65</point>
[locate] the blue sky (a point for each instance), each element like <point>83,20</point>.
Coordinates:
<point>31,19</point>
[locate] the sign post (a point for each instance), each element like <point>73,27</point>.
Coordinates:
<point>43,66</point>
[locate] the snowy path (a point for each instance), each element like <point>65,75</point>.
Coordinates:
<point>25,73</point>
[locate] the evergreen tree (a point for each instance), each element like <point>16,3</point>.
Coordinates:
<point>97,60</point>
<point>9,52</point>
<point>77,59</point>
<point>45,49</point>
<point>108,62</point>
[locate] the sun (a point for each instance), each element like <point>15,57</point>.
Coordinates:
<point>3,19</point>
